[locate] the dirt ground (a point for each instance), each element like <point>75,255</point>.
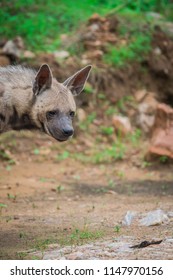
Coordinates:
<point>70,205</point>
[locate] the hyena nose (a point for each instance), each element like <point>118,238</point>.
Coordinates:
<point>68,131</point>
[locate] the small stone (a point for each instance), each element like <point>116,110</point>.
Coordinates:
<point>157,51</point>
<point>14,47</point>
<point>96,17</point>
<point>94,27</point>
<point>28,54</point>
<point>61,54</point>
<point>140,94</point>
<point>121,124</point>
<point>76,256</point>
<point>154,218</point>
<point>95,54</point>
<point>128,218</point>
<point>81,115</point>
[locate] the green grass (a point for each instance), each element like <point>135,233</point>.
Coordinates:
<point>133,51</point>
<point>103,154</point>
<point>81,236</point>
<point>42,22</point>
<point>89,120</point>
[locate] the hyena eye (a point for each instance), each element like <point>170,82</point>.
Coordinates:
<point>72,114</point>
<point>51,114</point>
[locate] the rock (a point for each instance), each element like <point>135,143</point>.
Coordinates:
<point>140,95</point>
<point>154,218</point>
<point>14,47</point>
<point>170,214</point>
<point>76,256</point>
<point>64,38</point>
<point>121,124</point>
<point>95,54</point>
<point>160,65</point>
<point>146,112</point>
<point>157,51</point>
<point>162,134</point>
<point>91,45</point>
<point>28,54</point>
<point>81,115</point>
<point>96,18</point>
<point>61,55</point>
<point>128,218</point>
<point>19,42</point>
<point>4,60</point>
<point>94,27</point>
<point>44,151</point>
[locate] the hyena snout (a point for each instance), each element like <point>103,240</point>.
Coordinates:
<point>67,131</point>
<point>61,128</point>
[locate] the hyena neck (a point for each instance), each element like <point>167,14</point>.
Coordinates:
<point>15,112</point>
<point>16,98</point>
<point>18,122</point>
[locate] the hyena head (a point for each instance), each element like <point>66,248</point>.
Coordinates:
<point>54,107</point>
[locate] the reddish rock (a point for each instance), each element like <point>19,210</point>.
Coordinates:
<point>14,47</point>
<point>146,111</point>
<point>4,60</point>
<point>95,54</point>
<point>122,124</point>
<point>162,134</point>
<point>95,18</point>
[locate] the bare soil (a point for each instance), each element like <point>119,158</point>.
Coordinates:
<point>48,201</point>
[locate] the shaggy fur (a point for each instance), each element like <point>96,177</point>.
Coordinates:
<point>36,100</point>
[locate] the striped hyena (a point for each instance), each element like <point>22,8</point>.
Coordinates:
<point>36,100</point>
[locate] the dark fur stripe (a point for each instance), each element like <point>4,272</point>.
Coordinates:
<point>14,117</point>
<point>2,118</point>
<point>42,125</point>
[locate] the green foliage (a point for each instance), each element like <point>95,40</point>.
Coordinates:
<point>11,197</point>
<point>117,229</point>
<point>90,118</point>
<point>7,157</point>
<point>59,189</point>
<point>36,151</point>
<point>115,152</point>
<point>111,111</point>
<point>80,236</point>
<point>135,136</point>
<point>107,130</point>
<point>163,159</point>
<point>40,23</point>
<point>103,154</point>
<point>63,156</point>
<point>42,244</point>
<point>139,45</point>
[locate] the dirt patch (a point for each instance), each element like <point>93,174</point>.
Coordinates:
<point>68,202</point>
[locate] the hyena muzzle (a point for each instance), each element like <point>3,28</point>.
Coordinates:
<point>36,100</point>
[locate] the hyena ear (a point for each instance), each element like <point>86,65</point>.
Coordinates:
<point>43,79</point>
<point>76,82</point>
